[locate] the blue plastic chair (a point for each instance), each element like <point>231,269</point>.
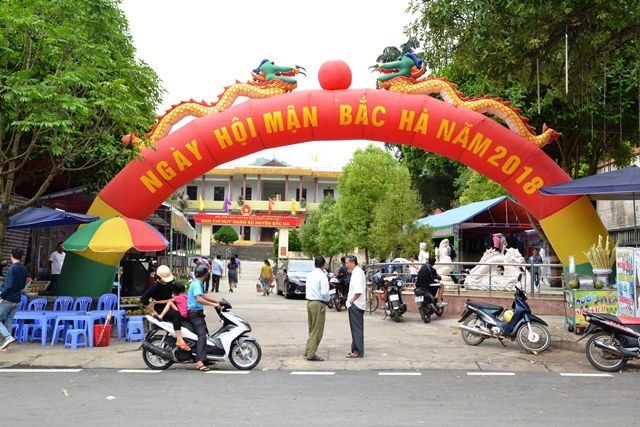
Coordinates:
<point>63,304</point>
<point>37,304</point>
<point>28,331</point>
<point>107,302</point>
<point>135,329</point>
<point>82,304</point>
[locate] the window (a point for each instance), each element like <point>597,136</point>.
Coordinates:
<point>246,233</point>
<point>192,192</point>
<point>218,194</point>
<point>304,193</point>
<point>327,192</point>
<point>247,194</point>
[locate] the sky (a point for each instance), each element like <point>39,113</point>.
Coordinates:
<point>197,47</point>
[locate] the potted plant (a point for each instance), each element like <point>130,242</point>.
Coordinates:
<point>240,200</point>
<point>303,202</point>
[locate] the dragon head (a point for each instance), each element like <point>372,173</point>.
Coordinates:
<point>267,71</point>
<point>409,66</point>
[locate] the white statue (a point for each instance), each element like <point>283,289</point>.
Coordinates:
<point>442,255</point>
<point>503,277</point>
<point>543,270</point>
<point>423,256</point>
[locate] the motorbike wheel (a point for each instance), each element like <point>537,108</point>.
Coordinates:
<point>336,303</point>
<point>245,356</point>
<point>330,303</point>
<point>424,313</point>
<point>153,361</point>
<point>373,303</point>
<point>439,311</point>
<point>602,359</point>
<point>395,315</point>
<point>468,337</point>
<point>540,338</point>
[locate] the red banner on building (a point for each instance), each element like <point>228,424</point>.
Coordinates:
<point>251,221</point>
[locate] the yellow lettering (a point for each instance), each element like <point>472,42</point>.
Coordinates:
<point>151,181</point>
<point>252,128</point>
<point>293,123</point>
<point>345,115</point>
<point>361,115</point>
<point>406,120</point>
<point>273,122</point>
<point>463,136</point>
<point>374,116</point>
<point>181,161</point>
<point>310,117</point>
<point>165,170</point>
<point>239,132</point>
<point>445,131</point>
<point>223,137</point>
<point>193,147</point>
<point>478,146</point>
<point>423,121</point>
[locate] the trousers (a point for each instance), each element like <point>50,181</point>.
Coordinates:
<point>200,329</point>
<point>7,310</point>
<point>316,311</point>
<point>356,324</point>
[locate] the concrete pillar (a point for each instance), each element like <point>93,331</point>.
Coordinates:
<point>283,243</point>
<point>206,240</point>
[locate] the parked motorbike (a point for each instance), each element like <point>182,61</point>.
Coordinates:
<point>429,305</point>
<point>392,287</point>
<point>230,342</point>
<point>480,321</point>
<point>615,340</point>
<point>337,297</point>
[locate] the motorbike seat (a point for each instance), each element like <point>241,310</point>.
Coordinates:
<point>187,325</point>
<point>484,305</point>
<point>629,320</point>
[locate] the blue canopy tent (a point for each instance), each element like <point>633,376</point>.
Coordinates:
<point>45,217</point>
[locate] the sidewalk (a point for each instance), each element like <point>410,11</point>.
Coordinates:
<point>280,326</point>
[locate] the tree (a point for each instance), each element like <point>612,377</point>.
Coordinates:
<point>294,241</point>
<point>226,235</point>
<point>70,87</point>
<point>476,188</point>
<point>323,232</point>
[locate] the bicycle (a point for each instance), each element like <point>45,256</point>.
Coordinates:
<point>372,299</point>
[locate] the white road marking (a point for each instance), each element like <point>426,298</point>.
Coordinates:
<point>40,370</point>
<point>229,372</point>
<point>312,373</point>
<point>399,374</point>
<point>495,374</point>
<point>138,371</point>
<point>572,374</point>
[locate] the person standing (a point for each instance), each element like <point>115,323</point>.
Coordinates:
<point>11,295</point>
<point>266,274</point>
<point>196,300</point>
<point>317,295</point>
<point>238,262</point>
<point>356,303</point>
<point>344,276</point>
<point>56,259</point>
<point>203,262</point>
<point>232,273</point>
<point>216,273</point>
<point>533,260</point>
<point>413,270</point>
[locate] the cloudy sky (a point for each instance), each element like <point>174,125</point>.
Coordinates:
<point>198,46</point>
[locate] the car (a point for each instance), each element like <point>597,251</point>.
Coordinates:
<point>291,277</point>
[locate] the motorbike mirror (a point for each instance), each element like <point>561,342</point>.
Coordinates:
<point>520,277</point>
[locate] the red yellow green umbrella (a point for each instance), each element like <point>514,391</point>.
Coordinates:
<point>117,234</point>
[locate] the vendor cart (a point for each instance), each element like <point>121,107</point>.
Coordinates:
<point>587,298</point>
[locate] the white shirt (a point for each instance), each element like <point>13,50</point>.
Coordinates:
<point>56,259</point>
<point>317,288</point>
<point>357,286</point>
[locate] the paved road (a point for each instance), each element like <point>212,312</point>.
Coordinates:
<point>103,397</point>
<point>280,326</point>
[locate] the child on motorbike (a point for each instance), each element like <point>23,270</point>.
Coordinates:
<point>178,303</point>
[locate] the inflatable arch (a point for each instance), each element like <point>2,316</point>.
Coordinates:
<point>469,137</point>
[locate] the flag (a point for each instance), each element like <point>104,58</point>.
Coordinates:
<point>293,206</point>
<point>271,205</point>
<point>226,206</point>
<point>315,158</point>
<point>200,203</point>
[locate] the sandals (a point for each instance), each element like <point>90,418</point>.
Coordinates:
<point>184,346</point>
<point>202,368</point>
<point>354,356</point>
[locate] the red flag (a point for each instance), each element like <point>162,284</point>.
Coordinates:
<point>271,204</point>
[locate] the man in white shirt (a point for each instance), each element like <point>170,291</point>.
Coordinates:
<point>216,273</point>
<point>317,294</point>
<point>56,259</point>
<point>356,303</point>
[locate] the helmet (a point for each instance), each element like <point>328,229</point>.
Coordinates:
<point>377,279</point>
<point>201,271</point>
<point>508,314</point>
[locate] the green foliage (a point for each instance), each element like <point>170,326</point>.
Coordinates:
<point>225,235</point>
<point>323,232</point>
<point>70,87</point>
<point>477,187</point>
<point>295,245</point>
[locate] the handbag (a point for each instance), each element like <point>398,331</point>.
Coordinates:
<point>258,286</point>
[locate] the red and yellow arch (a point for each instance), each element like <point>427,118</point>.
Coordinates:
<point>479,142</point>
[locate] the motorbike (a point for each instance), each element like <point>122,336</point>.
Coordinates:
<point>337,297</point>
<point>615,340</point>
<point>427,304</point>
<point>481,320</point>
<point>230,342</point>
<point>392,287</point>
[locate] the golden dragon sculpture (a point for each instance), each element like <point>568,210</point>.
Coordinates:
<point>403,76</point>
<point>268,80</point>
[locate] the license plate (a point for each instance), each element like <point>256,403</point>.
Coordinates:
<point>394,297</point>
<point>419,299</point>
<point>332,291</point>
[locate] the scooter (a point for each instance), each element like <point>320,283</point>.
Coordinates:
<point>230,342</point>
<point>337,298</point>
<point>392,287</point>
<point>480,321</point>
<point>615,340</point>
<point>427,304</point>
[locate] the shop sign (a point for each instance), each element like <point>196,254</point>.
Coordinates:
<point>250,221</point>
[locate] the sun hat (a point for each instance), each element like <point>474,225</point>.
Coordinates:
<point>164,273</point>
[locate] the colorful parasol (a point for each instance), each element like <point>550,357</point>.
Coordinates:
<point>117,234</point>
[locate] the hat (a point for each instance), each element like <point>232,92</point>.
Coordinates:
<point>164,273</point>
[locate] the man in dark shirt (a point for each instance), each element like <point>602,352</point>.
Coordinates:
<point>427,275</point>
<point>11,295</point>
<point>344,276</point>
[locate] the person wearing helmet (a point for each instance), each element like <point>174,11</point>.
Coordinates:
<point>196,300</point>
<point>427,275</point>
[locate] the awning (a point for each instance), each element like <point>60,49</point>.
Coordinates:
<point>45,217</point>
<point>180,222</point>
<point>620,184</point>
